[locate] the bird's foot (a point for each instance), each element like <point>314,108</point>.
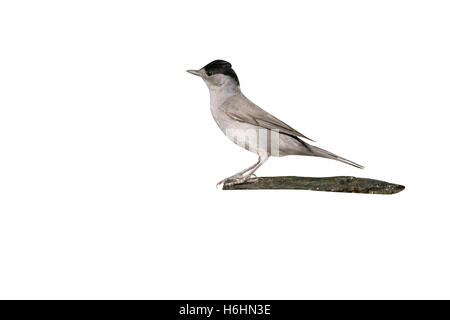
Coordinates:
<point>233,180</point>
<point>227,180</point>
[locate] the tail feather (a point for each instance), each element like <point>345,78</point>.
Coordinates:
<point>327,154</point>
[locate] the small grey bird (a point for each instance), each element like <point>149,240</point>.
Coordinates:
<point>251,127</point>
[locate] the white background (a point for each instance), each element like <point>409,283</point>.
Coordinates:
<point>109,155</point>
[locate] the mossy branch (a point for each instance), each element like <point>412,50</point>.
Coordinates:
<point>331,184</point>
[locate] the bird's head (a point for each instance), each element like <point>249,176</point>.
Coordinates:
<point>217,74</point>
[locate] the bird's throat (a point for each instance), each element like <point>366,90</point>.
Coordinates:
<point>218,95</point>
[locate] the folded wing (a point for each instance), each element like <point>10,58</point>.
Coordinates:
<point>252,114</point>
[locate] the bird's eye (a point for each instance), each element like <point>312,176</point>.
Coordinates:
<point>209,73</point>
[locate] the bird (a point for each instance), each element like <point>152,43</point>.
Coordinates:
<point>251,127</point>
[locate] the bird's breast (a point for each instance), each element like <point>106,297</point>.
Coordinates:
<point>222,120</point>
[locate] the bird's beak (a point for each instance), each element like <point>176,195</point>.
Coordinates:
<point>194,72</point>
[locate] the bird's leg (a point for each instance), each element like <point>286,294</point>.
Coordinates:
<point>248,176</point>
<point>241,177</point>
<point>237,175</point>
<point>240,173</point>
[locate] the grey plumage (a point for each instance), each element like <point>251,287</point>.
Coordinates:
<point>235,115</point>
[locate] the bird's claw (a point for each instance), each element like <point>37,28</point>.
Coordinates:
<point>234,180</point>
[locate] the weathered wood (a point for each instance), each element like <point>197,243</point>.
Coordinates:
<point>331,184</point>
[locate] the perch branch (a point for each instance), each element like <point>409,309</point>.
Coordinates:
<point>332,184</point>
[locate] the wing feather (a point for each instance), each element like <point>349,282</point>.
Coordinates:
<point>252,114</point>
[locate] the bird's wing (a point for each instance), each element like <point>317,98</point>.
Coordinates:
<point>250,113</point>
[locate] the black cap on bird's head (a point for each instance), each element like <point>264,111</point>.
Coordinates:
<point>221,67</point>
<point>216,67</point>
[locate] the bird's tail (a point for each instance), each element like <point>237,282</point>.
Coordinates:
<point>318,152</point>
